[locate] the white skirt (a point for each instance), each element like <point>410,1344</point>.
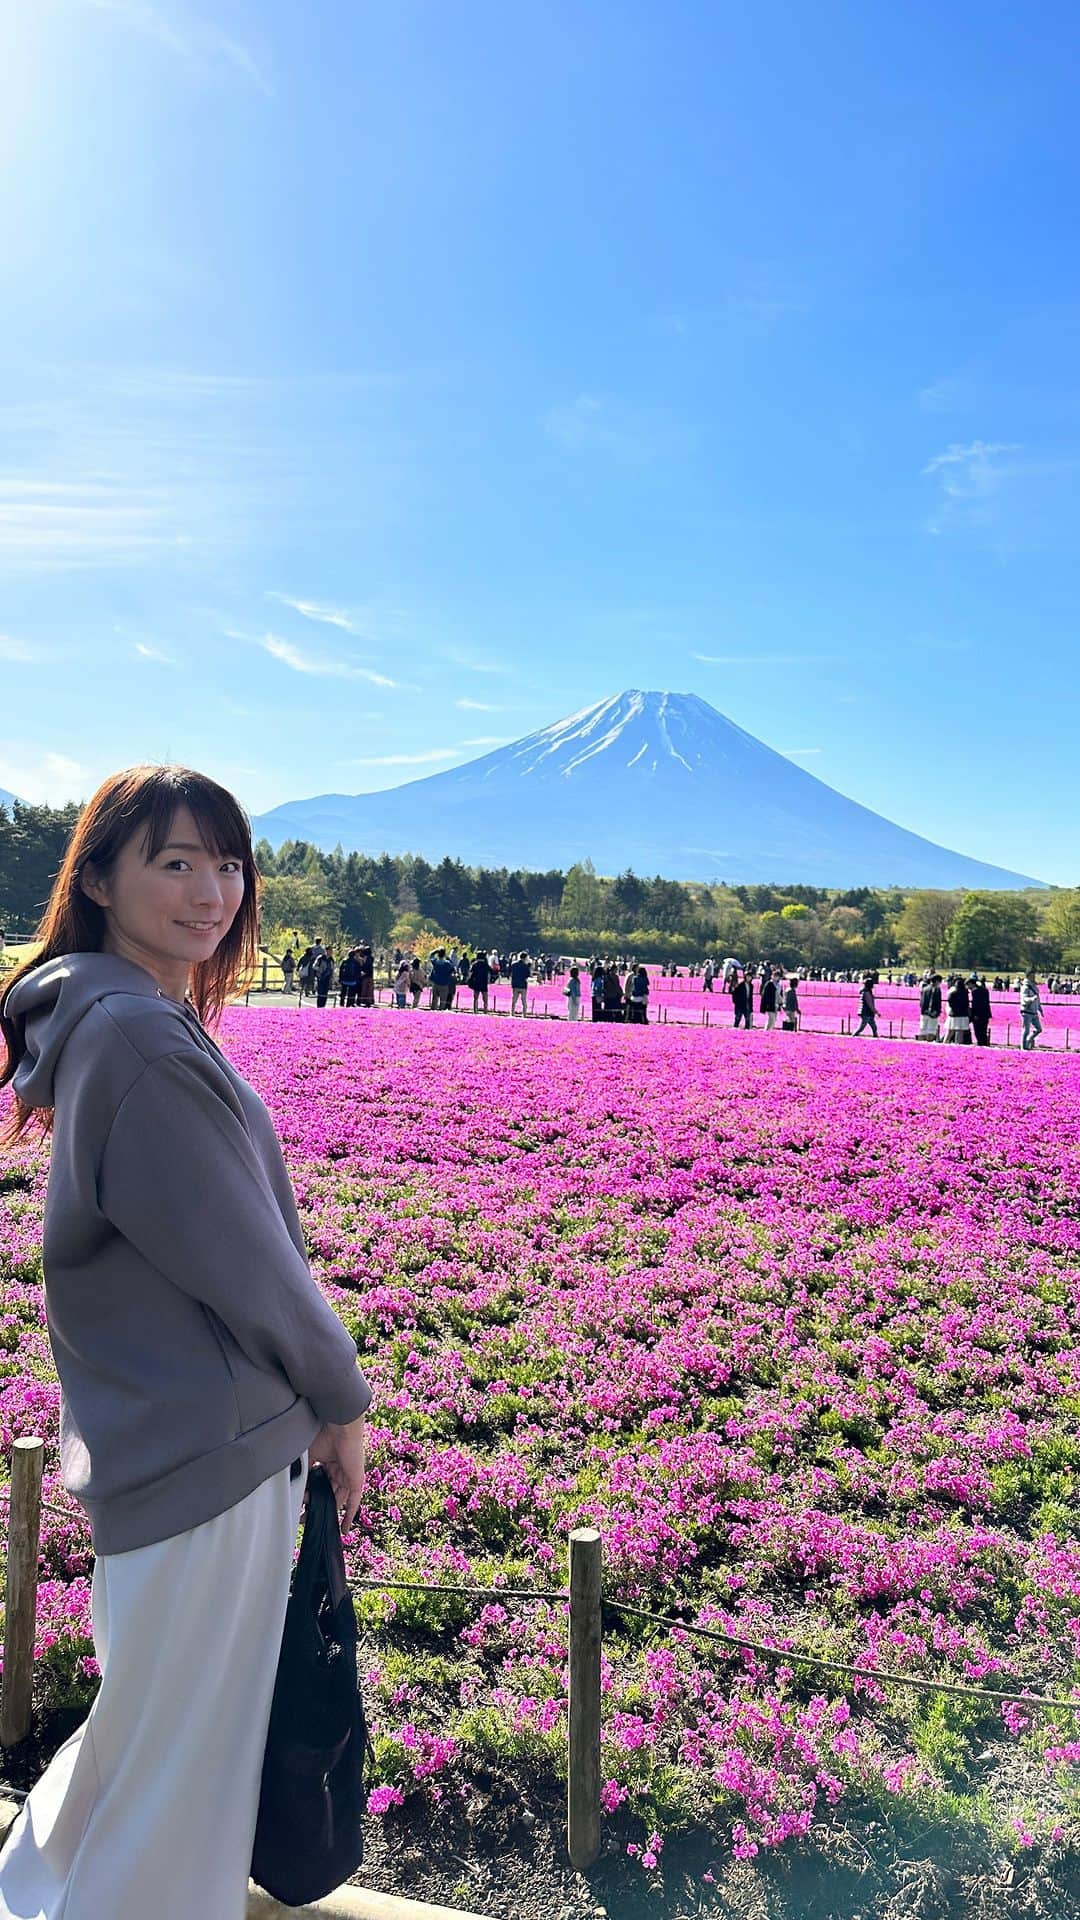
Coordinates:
<point>148,1810</point>
<point>958,1023</point>
<point>928,1027</point>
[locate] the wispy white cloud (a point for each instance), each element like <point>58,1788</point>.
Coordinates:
<point>201,43</point>
<point>968,478</point>
<point>488,740</point>
<point>428,757</point>
<point>474,662</point>
<point>973,460</point>
<point>478,706</point>
<point>41,775</point>
<point>299,662</point>
<point>764,659</point>
<point>13,649</point>
<point>953,395</point>
<point>59,524</point>
<point>317,611</point>
<point>153,653</point>
<point>404,759</point>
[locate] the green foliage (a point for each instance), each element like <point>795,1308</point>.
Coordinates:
<point>992,930</point>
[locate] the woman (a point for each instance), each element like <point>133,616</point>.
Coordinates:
<point>417,982</point>
<point>930,1009</point>
<point>767,1001</point>
<point>303,971</point>
<point>201,1369</point>
<point>791,1004</point>
<point>572,994</point>
<point>637,998</point>
<point>958,1025</point>
<point>867,1008</point>
<point>288,967</point>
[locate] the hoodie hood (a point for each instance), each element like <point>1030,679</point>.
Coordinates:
<point>52,999</point>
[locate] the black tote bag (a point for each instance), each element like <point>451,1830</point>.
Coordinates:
<point>309,1834</point>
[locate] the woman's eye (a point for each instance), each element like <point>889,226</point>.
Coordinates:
<point>183,863</point>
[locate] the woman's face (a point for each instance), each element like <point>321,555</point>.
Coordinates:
<point>150,908</point>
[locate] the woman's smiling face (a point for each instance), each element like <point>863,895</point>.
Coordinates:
<point>172,913</point>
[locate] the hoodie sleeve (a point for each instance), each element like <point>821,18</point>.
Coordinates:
<point>181,1179</point>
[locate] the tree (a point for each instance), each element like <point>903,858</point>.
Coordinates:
<point>582,899</point>
<point>923,924</point>
<point>1061,926</point>
<point>992,930</point>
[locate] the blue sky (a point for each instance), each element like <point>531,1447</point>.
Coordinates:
<point>381,381</point>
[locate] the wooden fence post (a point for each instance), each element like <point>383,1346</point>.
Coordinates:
<point>583,1779</point>
<point>20,1611</point>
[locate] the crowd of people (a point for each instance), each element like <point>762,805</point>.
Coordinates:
<point>619,989</point>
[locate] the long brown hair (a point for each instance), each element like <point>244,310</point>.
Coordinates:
<point>73,923</point>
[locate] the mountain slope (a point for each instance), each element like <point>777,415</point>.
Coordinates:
<point>660,782</point>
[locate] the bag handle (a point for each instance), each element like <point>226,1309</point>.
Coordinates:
<point>321,1556</point>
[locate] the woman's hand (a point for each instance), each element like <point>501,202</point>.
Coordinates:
<point>343,1452</point>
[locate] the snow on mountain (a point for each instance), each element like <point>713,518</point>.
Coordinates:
<point>660,782</point>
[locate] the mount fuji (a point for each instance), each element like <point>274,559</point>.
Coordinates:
<point>660,782</point>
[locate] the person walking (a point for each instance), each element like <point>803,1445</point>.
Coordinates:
<point>981,1010</point>
<point>288,968</point>
<point>930,1009</point>
<point>958,1024</point>
<point>479,980</point>
<point>1031,1012</point>
<point>767,1001</point>
<point>637,998</point>
<point>520,971</point>
<point>417,981</point>
<point>740,998</point>
<point>572,994</point>
<point>349,979</point>
<point>708,977</point>
<point>322,974</point>
<point>401,980</point>
<point>193,1399</point>
<point>303,970</point>
<point>867,1008</point>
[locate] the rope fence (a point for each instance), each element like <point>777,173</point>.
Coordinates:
<point>590,1609</point>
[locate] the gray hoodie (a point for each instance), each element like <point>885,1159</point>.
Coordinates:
<point>195,1351</point>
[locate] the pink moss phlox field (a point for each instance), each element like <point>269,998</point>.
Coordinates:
<point>794,1326</point>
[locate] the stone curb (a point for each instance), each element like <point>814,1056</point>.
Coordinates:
<point>353,1903</point>
<point>348,1903</point>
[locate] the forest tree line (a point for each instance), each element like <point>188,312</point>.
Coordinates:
<point>402,900</point>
